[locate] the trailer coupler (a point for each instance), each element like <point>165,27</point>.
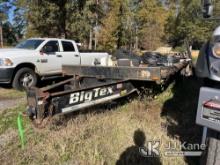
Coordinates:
<point>43,104</point>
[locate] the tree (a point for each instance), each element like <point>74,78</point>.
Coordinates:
<point>101,24</point>
<point>2,17</point>
<point>116,29</point>
<point>73,19</point>
<point>189,25</point>
<point>151,20</point>
<point>108,33</point>
<point>43,19</point>
<point>19,20</point>
<point>7,33</point>
<point>124,23</point>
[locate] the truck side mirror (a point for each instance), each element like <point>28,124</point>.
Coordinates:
<point>207,8</point>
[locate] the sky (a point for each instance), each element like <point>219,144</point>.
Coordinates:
<point>11,14</point>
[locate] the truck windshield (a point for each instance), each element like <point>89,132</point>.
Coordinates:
<point>29,44</point>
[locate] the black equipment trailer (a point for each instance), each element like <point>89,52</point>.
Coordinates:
<point>91,85</point>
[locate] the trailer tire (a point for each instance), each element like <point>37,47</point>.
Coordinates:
<point>212,154</point>
<point>27,75</point>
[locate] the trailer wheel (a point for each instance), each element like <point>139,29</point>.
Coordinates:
<point>212,154</point>
<point>24,78</point>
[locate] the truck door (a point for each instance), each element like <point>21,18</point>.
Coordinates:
<point>70,56</point>
<point>49,61</point>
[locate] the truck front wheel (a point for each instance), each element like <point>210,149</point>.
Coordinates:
<point>24,78</point>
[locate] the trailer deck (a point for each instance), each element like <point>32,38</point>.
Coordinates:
<point>116,73</point>
<point>142,73</point>
<point>92,85</point>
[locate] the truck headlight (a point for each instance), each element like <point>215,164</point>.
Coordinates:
<point>5,62</point>
<point>216,49</point>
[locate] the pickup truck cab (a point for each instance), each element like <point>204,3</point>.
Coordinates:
<point>39,58</point>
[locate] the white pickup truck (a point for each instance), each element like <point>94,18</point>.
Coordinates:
<point>39,58</point>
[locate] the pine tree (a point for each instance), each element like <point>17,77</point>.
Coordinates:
<point>19,20</point>
<point>117,25</point>
<point>108,34</point>
<point>189,25</point>
<point>7,33</point>
<point>151,20</point>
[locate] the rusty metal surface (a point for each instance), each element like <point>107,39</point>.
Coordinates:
<point>37,99</point>
<point>117,73</point>
<point>166,72</point>
<point>41,99</point>
<point>42,102</point>
<point>55,94</point>
<point>56,85</point>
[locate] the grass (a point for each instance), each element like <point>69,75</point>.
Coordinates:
<point>10,94</point>
<point>107,136</point>
<point>8,118</point>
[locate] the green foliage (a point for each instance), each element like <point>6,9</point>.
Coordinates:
<point>4,7</point>
<point>133,24</point>
<point>9,32</point>
<point>104,24</point>
<point>68,18</point>
<point>151,20</point>
<point>96,23</point>
<point>43,20</point>
<point>19,23</point>
<point>8,118</point>
<point>189,25</point>
<point>115,25</point>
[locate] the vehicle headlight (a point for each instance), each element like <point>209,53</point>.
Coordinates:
<point>5,62</point>
<point>216,49</point>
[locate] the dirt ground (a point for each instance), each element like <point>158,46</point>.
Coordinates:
<point>10,98</point>
<point>10,103</point>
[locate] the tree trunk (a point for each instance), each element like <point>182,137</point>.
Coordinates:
<point>90,39</point>
<point>62,18</point>
<point>136,42</point>
<point>136,38</point>
<point>1,37</point>
<point>96,40</point>
<point>96,26</point>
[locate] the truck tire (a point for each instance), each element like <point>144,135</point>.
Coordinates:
<point>24,78</point>
<point>213,149</point>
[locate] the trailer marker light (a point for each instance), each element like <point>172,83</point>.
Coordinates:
<point>155,78</point>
